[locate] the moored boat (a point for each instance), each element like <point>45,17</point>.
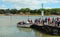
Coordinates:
<point>23,24</point>
<point>53,30</point>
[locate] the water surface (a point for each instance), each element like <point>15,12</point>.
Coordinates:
<point>8,27</point>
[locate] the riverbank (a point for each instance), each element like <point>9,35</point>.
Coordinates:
<point>25,15</point>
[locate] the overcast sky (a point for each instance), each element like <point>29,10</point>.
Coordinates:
<point>32,4</point>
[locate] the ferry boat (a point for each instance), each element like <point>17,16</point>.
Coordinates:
<point>53,30</point>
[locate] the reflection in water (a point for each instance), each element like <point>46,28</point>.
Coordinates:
<point>36,33</point>
<point>25,29</point>
<point>46,35</point>
<point>26,32</point>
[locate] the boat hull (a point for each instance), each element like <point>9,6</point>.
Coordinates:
<point>27,25</point>
<point>47,29</point>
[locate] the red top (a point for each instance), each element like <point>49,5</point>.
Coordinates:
<point>48,19</point>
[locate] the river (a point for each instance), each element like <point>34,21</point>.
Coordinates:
<point>8,27</point>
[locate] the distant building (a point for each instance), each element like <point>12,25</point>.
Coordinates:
<point>21,13</point>
<point>7,13</point>
<point>27,13</point>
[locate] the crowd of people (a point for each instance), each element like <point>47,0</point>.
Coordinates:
<point>46,21</point>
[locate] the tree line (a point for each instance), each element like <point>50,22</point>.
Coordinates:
<point>54,11</point>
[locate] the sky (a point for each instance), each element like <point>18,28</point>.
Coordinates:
<point>32,4</point>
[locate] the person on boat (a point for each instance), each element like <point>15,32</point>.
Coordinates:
<point>37,21</point>
<point>21,23</point>
<point>42,21</point>
<point>29,21</point>
<point>45,21</point>
<point>59,22</point>
<point>53,21</point>
<point>57,18</point>
<point>56,21</point>
<point>49,21</point>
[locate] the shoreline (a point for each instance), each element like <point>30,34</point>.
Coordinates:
<point>25,15</point>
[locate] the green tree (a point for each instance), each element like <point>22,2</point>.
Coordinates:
<point>14,11</point>
<point>2,11</point>
<point>27,10</point>
<point>22,10</point>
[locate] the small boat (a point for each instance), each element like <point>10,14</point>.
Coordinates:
<point>23,24</point>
